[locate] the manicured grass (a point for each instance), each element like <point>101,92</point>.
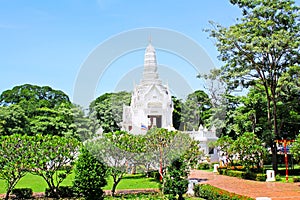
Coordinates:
<point>133,182</point>
<point>128,182</point>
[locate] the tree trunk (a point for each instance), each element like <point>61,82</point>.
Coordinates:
<point>274,115</point>
<point>274,157</point>
<point>116,182</point>
<point>274,153</point>
<point>113,189</point>
<point>7,194</point>
<point>180,197</point>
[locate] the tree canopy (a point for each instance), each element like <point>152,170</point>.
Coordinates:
<point>37,96</point>
<point>259,49</point>
<point>109,109</point>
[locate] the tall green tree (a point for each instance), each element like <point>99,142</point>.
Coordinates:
<point>195,110</point>
<point>251,115</point>
<point>259,48</point>
<point>31,109</point>
<point>289,102</point>
<point>30,97</point>
<point>222,102</point>
<point>109,109</point>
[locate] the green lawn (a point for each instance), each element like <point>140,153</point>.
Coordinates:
<point>128,182</point>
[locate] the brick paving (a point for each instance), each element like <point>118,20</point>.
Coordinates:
<point>254,189</point>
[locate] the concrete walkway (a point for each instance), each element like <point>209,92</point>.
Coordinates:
<point>254,189</point>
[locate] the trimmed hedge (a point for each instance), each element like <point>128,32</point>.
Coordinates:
<point>63,192</point>
<point>22,193</point>
<point>243,174</point>
<point>203,166</point>
<point>210,192</point>
<point>153,174</point>
<point>296,179</point>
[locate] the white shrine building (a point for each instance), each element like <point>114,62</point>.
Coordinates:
<point>152,106</point>
<point>151,101</point>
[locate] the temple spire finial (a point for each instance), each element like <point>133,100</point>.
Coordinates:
<point>150,39</point>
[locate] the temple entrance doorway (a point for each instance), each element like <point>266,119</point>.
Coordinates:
<point>154,121</point>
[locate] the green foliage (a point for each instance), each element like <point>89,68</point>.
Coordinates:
<point>259,50</point>
<point>295,149</point>
<point>115,149</point>
<point>261,177</point>
<point>52,121</point>
<point>238,174</point>
<point>109,109</point>
<point>277,177</point>
<point>62,192</point>
<point>178,106</point>
<point>175,182</point>
<point>15,159</point>
<point>251,115</point>
<point>89,176</point>
<point>195,110</point>
<point>30,109</point>
<point>140,196</point>
<point>159,147</point>
<point>154,174</point>
<point>211,193</point>
<point>296,179</point>
<point>192,154</point>
<point>250,175</point>
<point>22,193</point>
<point>225,144</point>
<point>13,120</point>
<point>54,158</point>
<point>249,149</point>
<point>203,166</point>
<point>163,146</point>
<point>33,96</point>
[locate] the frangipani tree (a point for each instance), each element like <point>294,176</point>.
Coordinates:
<point>15,159</point>
<point>54,158</point>
<point>249,150</point>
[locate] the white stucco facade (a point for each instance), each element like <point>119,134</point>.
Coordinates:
<point>205,137</point>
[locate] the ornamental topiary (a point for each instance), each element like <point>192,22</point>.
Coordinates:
<point>89,176</point>
<point>175,181</point>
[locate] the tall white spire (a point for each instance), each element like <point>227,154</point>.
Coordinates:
<point>151,102</point>
<point>150,74</point>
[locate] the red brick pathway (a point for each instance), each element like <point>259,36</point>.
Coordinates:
<point>254,189</point>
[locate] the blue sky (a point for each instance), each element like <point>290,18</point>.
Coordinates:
<point>46,42</point>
